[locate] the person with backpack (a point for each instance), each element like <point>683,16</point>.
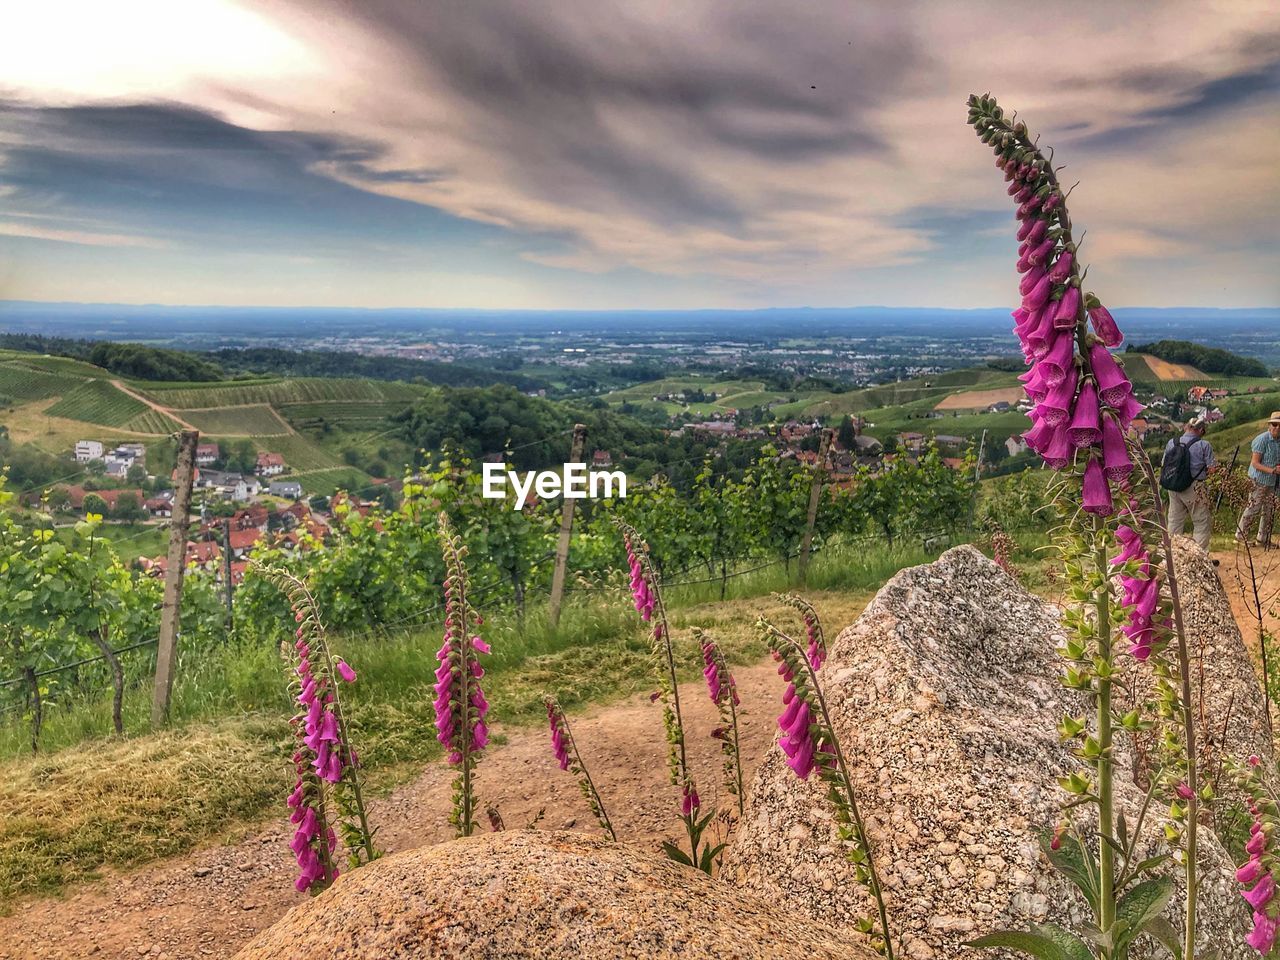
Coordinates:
<point>1187,461</point>
<point>1262,471</point>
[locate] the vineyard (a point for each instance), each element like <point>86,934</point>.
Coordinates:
<point>379,579</point>
<point>249,420</point>
<point>278,391</point>
<point>97,401</point>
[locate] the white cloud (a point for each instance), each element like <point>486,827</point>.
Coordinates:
<point>691,142</point>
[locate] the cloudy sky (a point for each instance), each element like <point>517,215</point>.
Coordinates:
<point>601,154</point>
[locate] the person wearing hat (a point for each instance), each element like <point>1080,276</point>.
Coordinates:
<point>1193,501</point>
<point>1262,471</point>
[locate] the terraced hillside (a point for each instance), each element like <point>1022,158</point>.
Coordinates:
<point>729,395</point>
<point>326,429</point>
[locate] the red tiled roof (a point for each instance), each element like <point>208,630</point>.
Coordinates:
<point>244,539</point>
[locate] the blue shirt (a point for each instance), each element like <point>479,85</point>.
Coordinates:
<point>1199,451</point>
<point>1270,451</point>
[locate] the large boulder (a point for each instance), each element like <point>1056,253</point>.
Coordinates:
<point>945,696</point>
<point>1227,695</point>
<point>525,894</point>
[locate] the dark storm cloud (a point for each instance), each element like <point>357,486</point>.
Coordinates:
<point>180,168</point>
<point>595,111</point>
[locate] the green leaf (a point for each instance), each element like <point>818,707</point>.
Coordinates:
<point>1142,903</point>
<point>1074,947</point>
<point>1037,945</point>
<point>1069,860</point>
<point>1166,935</point>
<point>675,853</point>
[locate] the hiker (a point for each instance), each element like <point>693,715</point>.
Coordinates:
<point>1187,461</point>
<point>1262,471</point>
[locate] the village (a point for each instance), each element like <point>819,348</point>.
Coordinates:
<point>244,502</point>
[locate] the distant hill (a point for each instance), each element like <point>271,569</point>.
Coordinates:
<point>331,431</point>
<point>1207,360</point>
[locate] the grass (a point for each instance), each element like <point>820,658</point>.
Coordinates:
<point>276,391</point>
<point>97,401</point>
<point>90,801</point>
<point>341,412</point>
<point>325,483</point>
<point>153,421</point>
<point>254,419</point>
<point>21,382</point>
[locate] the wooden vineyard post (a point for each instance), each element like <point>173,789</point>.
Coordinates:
<point>226,570</point>
<point>566,528</point>
<point>815,497</point>
<point>167,649</point>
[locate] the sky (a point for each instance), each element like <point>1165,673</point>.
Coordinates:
<point>596,154</point>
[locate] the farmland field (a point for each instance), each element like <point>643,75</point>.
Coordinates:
<point>153,421</point>
<point>341,411</point>
<point>97,401</point>
<point>24,383</point>
<point>298,452</point>
<point>979,399</point>
<point>1164,370</point>
<point>323,483</point>
<point>230,394</point>
<point>730,394</point>
<point>255,419</point>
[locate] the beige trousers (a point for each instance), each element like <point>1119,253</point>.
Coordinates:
<point>1193,502</point>
<point>1261,502</point>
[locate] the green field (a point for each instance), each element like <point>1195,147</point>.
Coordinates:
<point>323,483</point>
<point>276,391</point>
<point>153,421</point>
<point>340,412</point>
<point>730,395</point>
<point>53,402</point>
<point>255,419</point>
<point>23,383</point>
<point>97,401</point>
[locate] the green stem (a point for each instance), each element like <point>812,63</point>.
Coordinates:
<point>1106,809</point>
<point>737,754</point>
<point>686,781</point>
<point>873,876</point>
<point>604,816</point>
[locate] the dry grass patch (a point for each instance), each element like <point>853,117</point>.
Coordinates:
<point>118,803</point>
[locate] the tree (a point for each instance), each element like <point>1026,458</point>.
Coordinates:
<point>128,507</point>
<point>136,474</point>
<point>846,433</point>
<point>94,504</point>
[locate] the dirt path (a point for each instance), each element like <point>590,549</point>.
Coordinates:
<point>210,902</point>
<point>168,412</point>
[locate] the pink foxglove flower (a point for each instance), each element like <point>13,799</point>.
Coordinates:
<point>346,672</point>
<point>1104,325</point>
<point>460,705</point>
<point>1068,309</point>
<point>1113,385</point>
<point>1096,497</point>
<point>1060,358</point>
<point>1086,424</point>
<point>1061,269</point>
<point>1116,463</point>
<point>1038,295</point>
<point>1057,405</point>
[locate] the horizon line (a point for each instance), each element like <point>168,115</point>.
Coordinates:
<point>570,310</point>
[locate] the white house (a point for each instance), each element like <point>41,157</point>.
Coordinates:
<point>1015,445</point>
<point>117,466</point>
<point>87,450</point>
<point>269,464</point>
